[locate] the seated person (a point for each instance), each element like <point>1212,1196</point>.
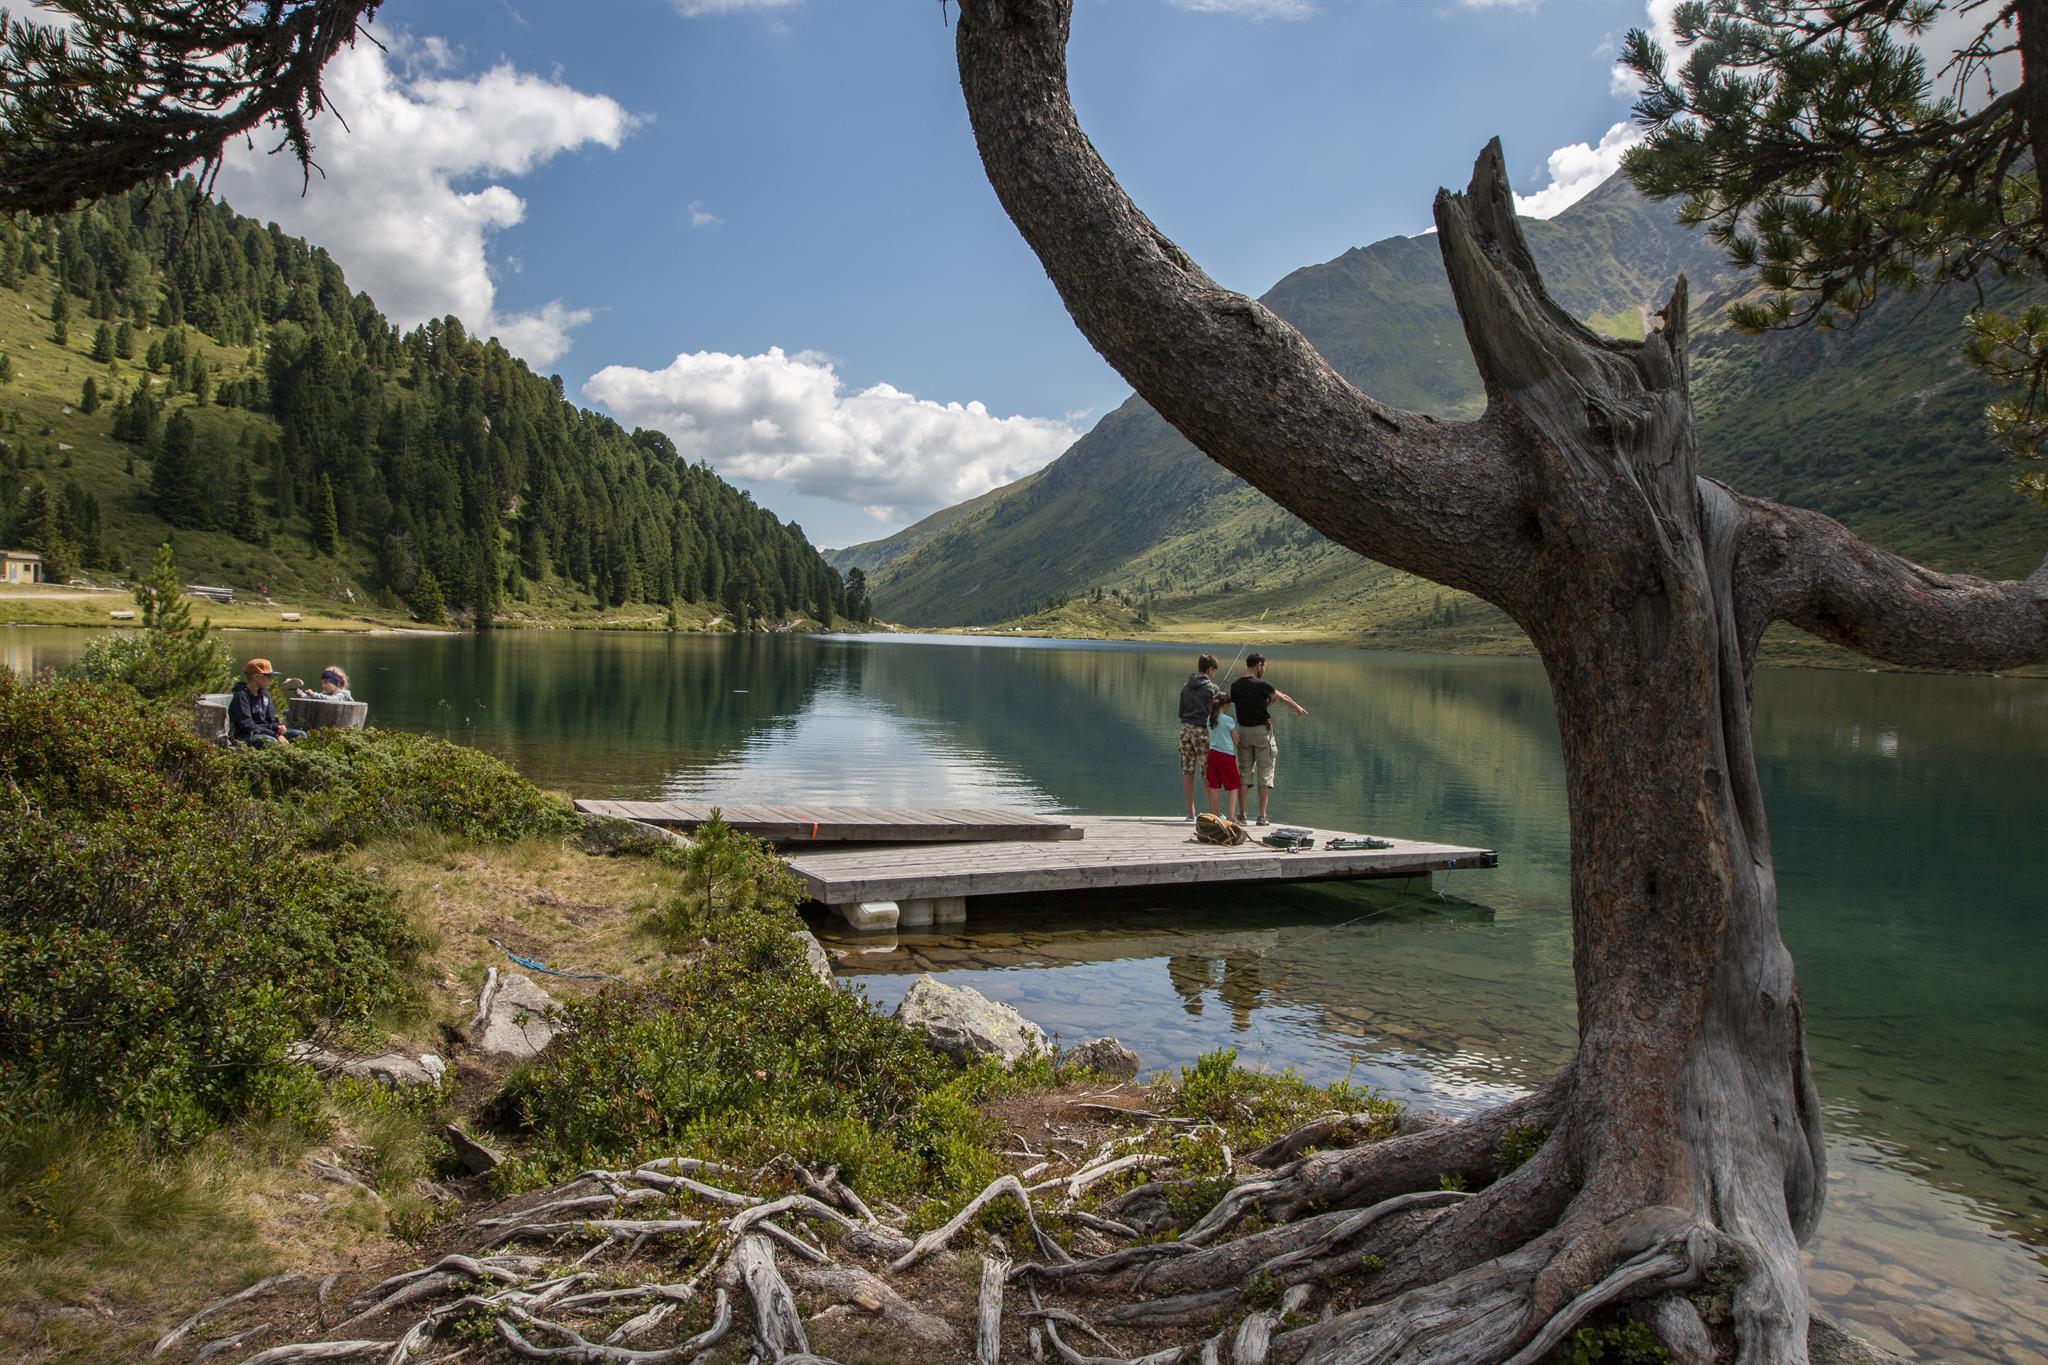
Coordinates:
<point>252,715</point>
<point>333,685</point>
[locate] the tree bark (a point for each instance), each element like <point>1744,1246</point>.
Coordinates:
<point>1688,1129</point>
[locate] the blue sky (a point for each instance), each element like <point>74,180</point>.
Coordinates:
<point>764,228</point>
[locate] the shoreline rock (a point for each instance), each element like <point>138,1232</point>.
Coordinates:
<point>966,1025</point>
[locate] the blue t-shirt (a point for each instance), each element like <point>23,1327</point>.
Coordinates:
<point>1222,736</point>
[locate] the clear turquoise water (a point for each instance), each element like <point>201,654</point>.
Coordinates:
<point>1907,815</point>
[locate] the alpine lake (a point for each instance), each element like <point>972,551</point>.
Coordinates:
<point>1907,814</point>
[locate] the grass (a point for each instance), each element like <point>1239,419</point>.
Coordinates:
<point>541,898</point>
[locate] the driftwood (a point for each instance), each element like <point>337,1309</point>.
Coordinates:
<point>778,1326</point>
<point>988,1315</point>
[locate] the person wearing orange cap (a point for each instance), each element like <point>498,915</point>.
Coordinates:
<point>252,715</point>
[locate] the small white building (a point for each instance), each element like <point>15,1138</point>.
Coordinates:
<point>20,566</point>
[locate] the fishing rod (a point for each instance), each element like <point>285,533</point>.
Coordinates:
<point>1241,649</point>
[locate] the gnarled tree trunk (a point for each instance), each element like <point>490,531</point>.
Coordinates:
<point>1685,1137</point>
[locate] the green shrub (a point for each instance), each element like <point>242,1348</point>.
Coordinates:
<point>157,666</point>
<point>161,938</point>
<point>729,877</point>
<point>1517,1145</point>
<point>1628,1343</point>
<point>745,1054</point>
<point>1258,1107</point>
<point>342,787</point>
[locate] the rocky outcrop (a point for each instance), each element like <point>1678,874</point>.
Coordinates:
<point>386,1068</point>
<point>1105,1057</point>
<point>514,1018</point>
<point>814,956</point>
<point>476,1158</point>
<point>967,1025</point>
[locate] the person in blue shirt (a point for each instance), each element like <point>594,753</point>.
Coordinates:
<point>1223,776</point>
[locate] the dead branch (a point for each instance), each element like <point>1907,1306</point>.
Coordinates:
<point>938,1237</point>
<point>778,1326</point>
<point>988,1316</point>
<point>183,1329</point>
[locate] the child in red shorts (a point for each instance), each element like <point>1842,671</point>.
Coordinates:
<point>1222,772</point>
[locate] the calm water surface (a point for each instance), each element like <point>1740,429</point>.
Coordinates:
<point>1907,815</point>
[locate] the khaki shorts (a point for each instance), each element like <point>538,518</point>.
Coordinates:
<point>1256,754</point>
<point>1194,749</point>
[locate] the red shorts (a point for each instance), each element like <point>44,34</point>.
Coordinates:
<point>1223,772</point>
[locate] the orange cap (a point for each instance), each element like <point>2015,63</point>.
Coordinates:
<point>255,666</point>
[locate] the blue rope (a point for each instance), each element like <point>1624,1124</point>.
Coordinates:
<point>532,966</point>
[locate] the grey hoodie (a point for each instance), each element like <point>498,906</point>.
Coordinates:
<point>1194,699</point>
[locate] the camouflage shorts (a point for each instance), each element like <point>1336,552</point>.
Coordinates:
<point>1194,748</point>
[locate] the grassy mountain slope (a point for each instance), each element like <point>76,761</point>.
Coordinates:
<point>1877,424</point>
<point>283,433</point>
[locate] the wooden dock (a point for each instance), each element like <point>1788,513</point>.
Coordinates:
<point>844,824</point>
<point>883,888</point>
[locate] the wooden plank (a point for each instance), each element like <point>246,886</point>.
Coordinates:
<point>1118,853</point>
<point>822,824</point>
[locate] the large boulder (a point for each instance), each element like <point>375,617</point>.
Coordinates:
<point>514,1017</point>
<point>965,1024</point>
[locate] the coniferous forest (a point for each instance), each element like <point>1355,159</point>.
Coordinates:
<point>252,400</point>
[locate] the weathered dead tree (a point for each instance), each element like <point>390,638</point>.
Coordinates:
<point>1685,1136</point>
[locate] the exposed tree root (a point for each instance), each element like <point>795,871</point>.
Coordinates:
<point>1401,1274</point>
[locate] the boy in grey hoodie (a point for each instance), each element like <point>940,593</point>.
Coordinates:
<point>1194,727</point>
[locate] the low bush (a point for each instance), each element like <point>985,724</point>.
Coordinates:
<point>1257,1107</point>
<point>744,1054</point>
<point>161,938</point>
<point>342,787</point>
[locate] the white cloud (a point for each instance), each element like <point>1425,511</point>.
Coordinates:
<point>1577,170</point>
<point>1249,9</point>
<point>697,9</point>
<point>412,188</point>
<point>789,418</point>
<point>1657,20</point>
<point>1498,4</point>
<point>701,216</point>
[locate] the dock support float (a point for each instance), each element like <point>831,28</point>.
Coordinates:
<point>904,914</point>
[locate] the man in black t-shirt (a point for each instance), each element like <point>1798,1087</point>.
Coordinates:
<point>1253,697</point>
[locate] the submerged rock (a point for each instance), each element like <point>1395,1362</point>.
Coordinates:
<point>514,1017</point>
<point>1105,1057</point>
<point>965,1024</point>
<point>1828,1343</point>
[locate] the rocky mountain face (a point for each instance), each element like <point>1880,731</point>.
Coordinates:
<point>1878,424</point>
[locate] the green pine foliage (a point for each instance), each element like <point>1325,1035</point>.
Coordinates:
<point>434,441</point>
<point>172,659</point>
<point>326,527</point>
<point>425,599</point>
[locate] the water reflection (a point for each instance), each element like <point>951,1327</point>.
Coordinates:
<point>1905,811</point>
